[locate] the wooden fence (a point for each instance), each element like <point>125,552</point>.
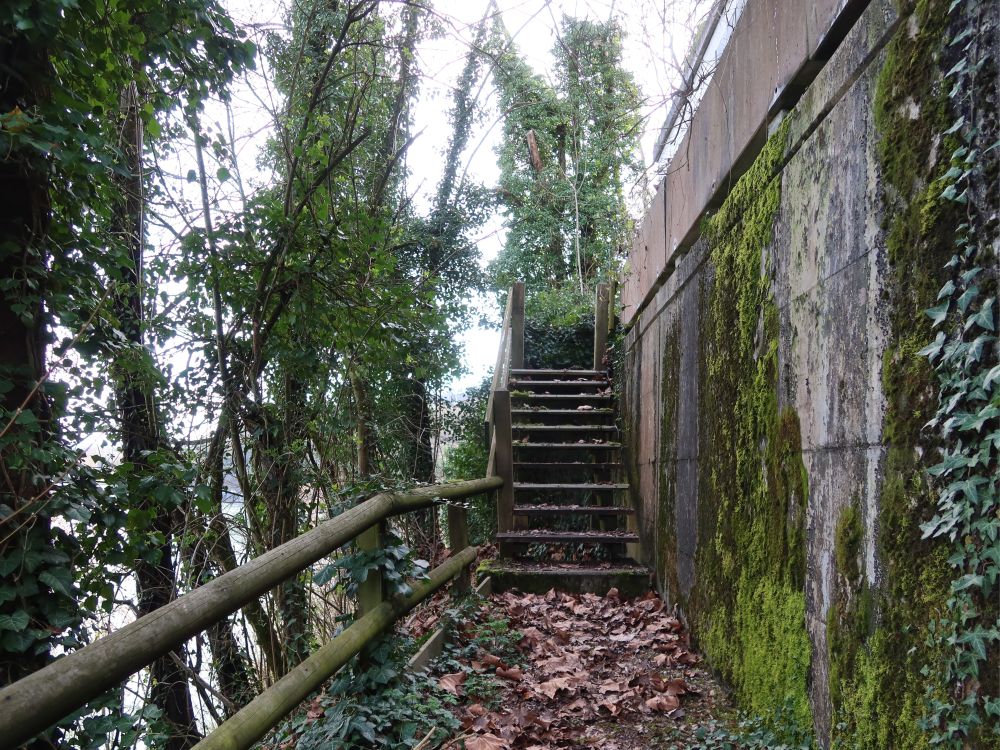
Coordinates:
<point>36,702</point>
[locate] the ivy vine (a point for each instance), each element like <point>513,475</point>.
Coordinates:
<point>964,355</point>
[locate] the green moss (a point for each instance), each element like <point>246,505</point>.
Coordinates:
<point>749,605</point>
<point>878,637</point>
<point>666,552</point>
<point>849,619</point>
<point>847,542</point>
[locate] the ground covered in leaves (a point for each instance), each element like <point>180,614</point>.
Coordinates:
<point>533,672</point>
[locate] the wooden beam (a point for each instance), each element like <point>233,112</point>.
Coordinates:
<point>372,591</point>
<point>503,461</point>
<point>264,712</point>
<point>34,703</point>
<point>601,318</point>
<point>516,327</point>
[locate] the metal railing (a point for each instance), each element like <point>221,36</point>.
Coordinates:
<point>36,702</point>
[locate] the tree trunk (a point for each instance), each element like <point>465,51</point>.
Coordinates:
<point>140,428</point>
<point>422,467</point>
<point>279,477</point>
<point>363,419</point>
<point>25,420</point>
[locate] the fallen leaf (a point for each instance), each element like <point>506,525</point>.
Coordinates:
<point>486,742</point>
<point>663,703</point>
<point>514,674</point>
<point>553,686</point>
<point>452,682</point>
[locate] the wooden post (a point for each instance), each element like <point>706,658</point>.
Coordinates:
<point>39,700</point>
<point>517,326</point>
<point>612,303</point>
<point>371,593</point>
<point>458,539</point>
<point>504,462</point>
<point>601,310</point>
<point>264,712</point>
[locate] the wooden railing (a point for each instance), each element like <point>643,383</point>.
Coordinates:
<point>33,704</point>
<point>603,323</point>
<point>510,356</point>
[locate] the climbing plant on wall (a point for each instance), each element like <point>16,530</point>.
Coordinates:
<point>967,422</point>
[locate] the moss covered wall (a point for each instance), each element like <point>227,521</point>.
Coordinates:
<point>810,583</point>
<point>749,604</point>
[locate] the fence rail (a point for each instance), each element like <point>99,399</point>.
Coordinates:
<point>36,702</point>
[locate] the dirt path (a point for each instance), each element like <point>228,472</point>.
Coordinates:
<point>561,671</point>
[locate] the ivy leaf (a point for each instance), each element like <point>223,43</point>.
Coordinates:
<point>17,621</point>
<point>933,350</point>
<point>967,581</point>
<point>992,377</point>
<point>977,347</point>
<point>324,575</point>
<point>192,176</point>
<point>984,318</point>
<point>967,297</point>
<point>938,314</point>
<point>59,580</point>
<point>223,174</point>
<point>957,125</point>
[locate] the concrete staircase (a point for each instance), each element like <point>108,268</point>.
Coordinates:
<point>570,509</point>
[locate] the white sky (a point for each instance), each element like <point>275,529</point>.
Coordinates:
<point>658,37</point>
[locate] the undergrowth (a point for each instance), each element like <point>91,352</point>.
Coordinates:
<point>374,703</point>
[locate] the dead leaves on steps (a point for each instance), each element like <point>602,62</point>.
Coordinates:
<point>588,663</point>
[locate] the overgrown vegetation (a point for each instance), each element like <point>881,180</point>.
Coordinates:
<point>888,643</point>
<point>750,604</point>
<point>568,152</point>
<point>198,363</point>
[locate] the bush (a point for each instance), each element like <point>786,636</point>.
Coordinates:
<point>558,328</point>
<point>467,456</point>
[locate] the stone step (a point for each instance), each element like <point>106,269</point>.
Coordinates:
<point>556,374</point>
<point>535,536</point>
<point>531,577</point>
<point>584,510</point>
<point>564,428</point>
<point>560,487</point>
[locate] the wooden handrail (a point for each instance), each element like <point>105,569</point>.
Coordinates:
<point>602,324</point>
<point>510,356</point>
<point>255,719</point>
<point>34,703</point>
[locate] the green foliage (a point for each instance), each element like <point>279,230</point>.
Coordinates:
<point>558,328</point>
<point>393,559</point>
<point>468,456</point>
<point>566,215</point>
<point>967,422</point>
<point>750,605</point>
<point>887,664</point>
<point>374,702</point>
<point>782,729</point>
<point>81,522</point>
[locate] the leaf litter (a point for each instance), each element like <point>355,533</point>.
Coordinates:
<point>591,672</point>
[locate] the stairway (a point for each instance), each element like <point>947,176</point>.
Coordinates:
<point>571,511</point>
